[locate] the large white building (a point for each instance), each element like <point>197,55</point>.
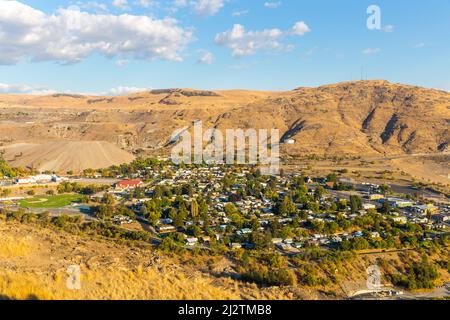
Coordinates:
<point>40,178</point>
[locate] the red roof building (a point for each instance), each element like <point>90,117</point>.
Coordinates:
<point>128,184</point>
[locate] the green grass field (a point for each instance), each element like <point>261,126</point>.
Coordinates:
<point>56,201</point>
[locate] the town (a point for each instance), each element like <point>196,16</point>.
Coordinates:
<point>201,206</point>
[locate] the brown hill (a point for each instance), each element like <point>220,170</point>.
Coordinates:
<point>63,156</point>
<point>365,117</point>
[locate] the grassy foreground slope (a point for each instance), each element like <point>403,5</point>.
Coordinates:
<point>34,262</point>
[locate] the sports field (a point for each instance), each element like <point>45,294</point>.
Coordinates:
<point>56,201</point>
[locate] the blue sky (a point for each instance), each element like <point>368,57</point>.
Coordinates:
<point>119,46</point>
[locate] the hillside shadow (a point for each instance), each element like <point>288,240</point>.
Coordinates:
<point>4,297</point>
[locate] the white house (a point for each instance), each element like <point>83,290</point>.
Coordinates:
<point>191,241</point>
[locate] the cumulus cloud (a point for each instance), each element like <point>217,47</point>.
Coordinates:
<point>180,3</point>
<point>93,5</point>
<point>311,51</point>
<point>24,89</point>
<point>206,57</point>
<point>70,35</point>
<point>239,13</point>
<point>368,51</point>
<point>124,90</point>
<point>300,28</point>
<point>389,28</point>
<point>207,7</point>
<point>147,3</point>
<point>272,5</point>
<point>419,45</point>
<point>122,62</point>
<point>245,43</point>
<point>122,4</point>
<point>38,90</point>
<point>203,8</point>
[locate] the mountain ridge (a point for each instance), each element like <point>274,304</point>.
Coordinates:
<point>373,117</point>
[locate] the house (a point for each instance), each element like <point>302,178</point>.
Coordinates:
<point>357,234</point>
<point>59,179</point>
<point>128,184</point>
<point>28,180</point>
<point>399,203</point>
<point>191,242</point>
<point>330,184</point>
<point>368,206</point>
<point>244,231</point>
<point>336,239</point>
<point>284,246</point>
<point>277,240</point>
<point>425,209</point>
<point>235,246</point>
<point>375,235</point>
<point>165,229</point>
<point>289,141</point>
<point>400,219</point>
<point>120,219</point>
<point>375,196</point>
<point>165,221</point>
<point>40,178</point>
<point>441,218</point>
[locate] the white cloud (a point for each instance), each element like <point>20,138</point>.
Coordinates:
<point>371,51</point>
<point>419,45</point>
<point>272,5</point>
<point>93,5</point>
<point>124,90</point>
<point>300,28</point>
<point>203,8</point>
<point>244,43</point>
<point>446,87</point>
<point>37,90</point>
<point>207,7</point>
<point>122,4</point>
<point>180,3</point>
<point>206,57</point>
<point>24,89</point>
<point>389,28</point>
<point>239,13</point>
<point>241,66</point>
<point>122,62</point>
<point>147,3</point>
<point>311,51</point>
<point>69,36</point>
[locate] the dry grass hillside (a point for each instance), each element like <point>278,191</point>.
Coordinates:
<point>356,118</point>
<point>34,263</point>
<point>66,155</point>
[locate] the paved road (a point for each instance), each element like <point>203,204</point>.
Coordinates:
<point>406,156</point>
<point>438,292</point>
